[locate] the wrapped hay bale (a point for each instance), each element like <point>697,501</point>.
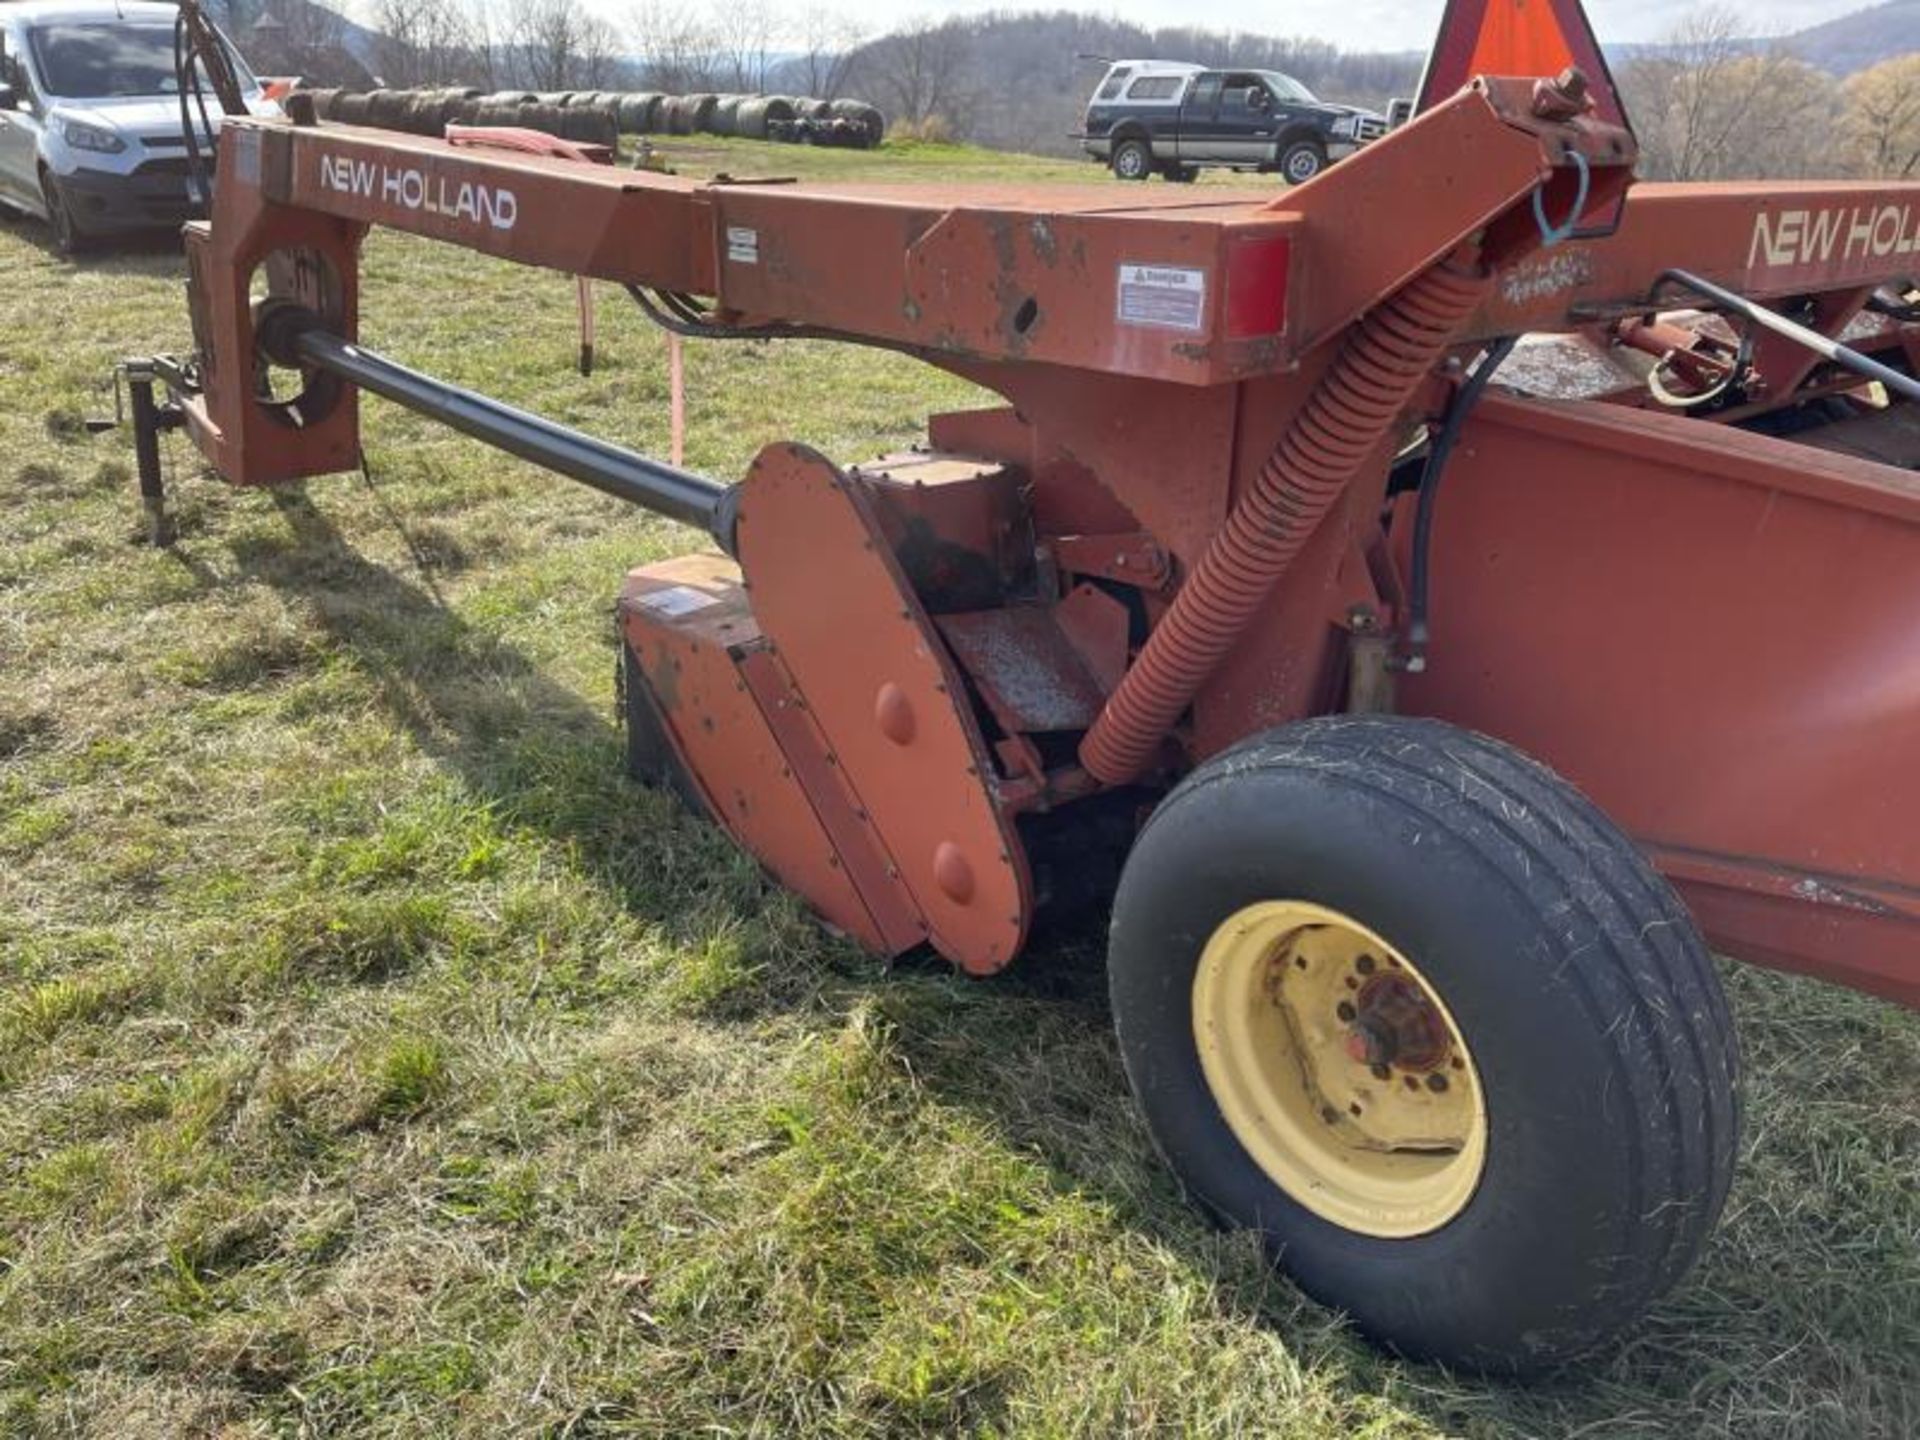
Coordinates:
<point>323,101</point>
<point>726,115</point>
<point>872,124</point>
<point>590,124</point>
<point>759,115</point>
<point>638,113</point>
<point>388,108</point>
<point>700,110</point>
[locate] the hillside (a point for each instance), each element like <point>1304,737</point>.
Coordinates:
<point>1021,80</point>
<point>1864,38</point>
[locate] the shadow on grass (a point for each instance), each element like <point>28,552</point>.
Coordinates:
<point>134,252</point>
<point>1031,1057</point>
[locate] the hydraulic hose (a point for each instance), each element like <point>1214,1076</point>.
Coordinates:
<point>1435,470</point>
<point>1350,413</point>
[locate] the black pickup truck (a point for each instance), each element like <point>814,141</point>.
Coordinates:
<point>1161,117</point>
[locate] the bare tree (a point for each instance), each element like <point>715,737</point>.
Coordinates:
<point>422,43</point>
<point>1711,105</point>
<point>557,44</point>
<point>919,72</point>
<point>828,40</point>
<point>677,46</point>
<point>743,36</point>
<point>1882,118</point>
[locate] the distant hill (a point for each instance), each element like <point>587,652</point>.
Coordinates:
<point>1864,38</point>
<point>1020,81</point>
<point>1015,80</point>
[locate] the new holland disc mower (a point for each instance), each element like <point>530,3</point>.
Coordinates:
<point>1461,590</point>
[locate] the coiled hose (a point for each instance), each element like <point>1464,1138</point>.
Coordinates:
<point>1350,412</point>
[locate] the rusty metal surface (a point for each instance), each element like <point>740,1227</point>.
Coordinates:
<point>1448,174</point>
<point>1711,633</point>
<point>1026,669</point>
<point>1095,624</point>
<point>955,524</point>
<point>689,626</point>
<point>874,677</point>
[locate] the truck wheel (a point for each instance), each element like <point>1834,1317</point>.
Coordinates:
<point>1132,160</point>
<point>1302,160</point>
<point>1405,1003</point>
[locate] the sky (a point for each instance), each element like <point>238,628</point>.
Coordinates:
<point>1377,24</point>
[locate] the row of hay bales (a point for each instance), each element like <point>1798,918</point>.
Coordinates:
<point>797,119</point>
<point>429,112</point>
<point>600,116</point>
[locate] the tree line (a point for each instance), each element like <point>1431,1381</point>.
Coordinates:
<point>1711,105</point>
<point>1707,104</point>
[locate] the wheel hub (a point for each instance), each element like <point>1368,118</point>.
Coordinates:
<point>1395,1025</point>
<point>1337,1066</point>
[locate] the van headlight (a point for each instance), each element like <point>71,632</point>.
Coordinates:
<point>83,136</point>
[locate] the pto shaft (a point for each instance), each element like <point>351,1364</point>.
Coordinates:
<point>624,474</point>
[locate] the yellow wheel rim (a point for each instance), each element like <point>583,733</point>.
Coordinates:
<point>1339,1068</point>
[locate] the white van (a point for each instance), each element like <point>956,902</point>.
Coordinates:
<point>90,133</point>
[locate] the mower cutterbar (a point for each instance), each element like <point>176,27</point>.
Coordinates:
<point>1389,993</point>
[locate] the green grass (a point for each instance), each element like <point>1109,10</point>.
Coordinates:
<point>376,1059</point>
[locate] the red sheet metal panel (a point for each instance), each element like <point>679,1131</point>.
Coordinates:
<point>1131,289</point>
<point>1712,633</point>
<point>689,626</point>
<point>583,219</point>
<point>876,679</point>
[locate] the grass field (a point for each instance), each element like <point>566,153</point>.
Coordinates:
<point>376,1059</point>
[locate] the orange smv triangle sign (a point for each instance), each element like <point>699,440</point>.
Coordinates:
<point>1516,37</point>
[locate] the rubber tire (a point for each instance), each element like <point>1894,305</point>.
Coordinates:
<point>68,238</point>
<point>1182,174</point>
<point>1581,986</point>
<point>1132,160</point>
<point>1297,153</point>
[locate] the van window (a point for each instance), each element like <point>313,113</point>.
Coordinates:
<point>14,73</point>
<point>1155,87</point>
<point>91,61</point>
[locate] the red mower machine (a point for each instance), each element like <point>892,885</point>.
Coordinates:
<point>1437,1022</point>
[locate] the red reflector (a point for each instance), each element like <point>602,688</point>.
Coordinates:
<point>1257,286</point>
